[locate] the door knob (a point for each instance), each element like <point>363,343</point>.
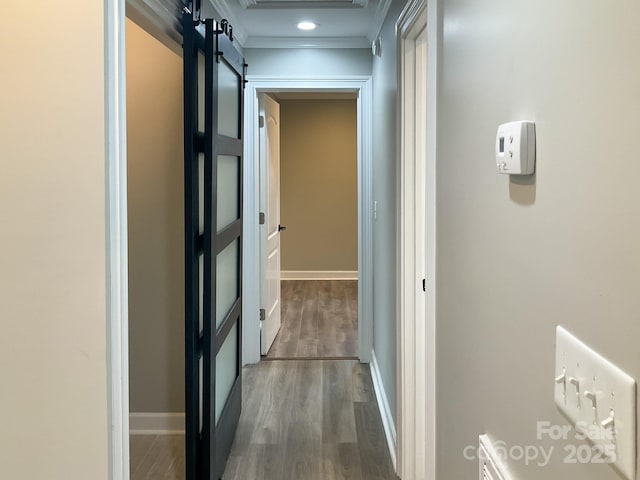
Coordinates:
<point>281,228</point>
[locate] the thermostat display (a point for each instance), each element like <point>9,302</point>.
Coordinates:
<point>516,148</point>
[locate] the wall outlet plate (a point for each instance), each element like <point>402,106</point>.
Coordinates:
<point>588,389</point>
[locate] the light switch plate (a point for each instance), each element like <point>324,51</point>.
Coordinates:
<point>586,372</point>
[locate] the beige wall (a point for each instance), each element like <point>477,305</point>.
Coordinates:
<point>319,189</point>
<point>53,372</point>
<point>156,224</point>
<point>516,258</point>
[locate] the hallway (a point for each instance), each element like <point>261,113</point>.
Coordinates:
<point>301,419</point>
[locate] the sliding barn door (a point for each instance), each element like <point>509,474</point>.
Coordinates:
<point>213,93</point>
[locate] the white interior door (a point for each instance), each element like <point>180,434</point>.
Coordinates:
<point>271,228</point>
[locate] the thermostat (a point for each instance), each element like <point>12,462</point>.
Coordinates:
<point>516,148</point>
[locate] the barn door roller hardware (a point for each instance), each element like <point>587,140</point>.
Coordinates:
<point>194,8</point>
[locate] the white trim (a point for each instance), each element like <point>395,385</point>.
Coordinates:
<point>318,275</point>
<point>378,20</point>
<point>156,423</point>
<point>416,259</point>
<point>385,412</point>
<point>116,240</point>
<point>433,42</point>
<point>365,222</point>
<point>251,247</point>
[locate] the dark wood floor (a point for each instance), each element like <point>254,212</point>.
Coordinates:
<point>319,320</point>
<point>301,420</point>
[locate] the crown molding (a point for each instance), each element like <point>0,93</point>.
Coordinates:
<point>223,8</point>
<point>303,4</point>
<point>378,20</point>
<point>307,42</point>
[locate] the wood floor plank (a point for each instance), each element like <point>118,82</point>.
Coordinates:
<point>307,395</point>
<point>276,403</point>
<point>341,461</point>
<point>349,325</point>
<point>308,339</point>
<point>319,320</point>
<point>253,380</point>
<point>258,462</point>
<point>232,469</point>
<point>302,456</point>
<point>148,464</point>
<point>162,459</point>
<point>338,420</point>
<point>327,320</point>
<point>362,384</point>
<point>292,301</point>
<point>371,441</point>
<point>171,465</point>
<point>139,446</point>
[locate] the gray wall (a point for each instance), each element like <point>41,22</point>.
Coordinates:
<point>156,224</point>
<point>308,61</point>
<point>517,258</point>
<point>384,192</point>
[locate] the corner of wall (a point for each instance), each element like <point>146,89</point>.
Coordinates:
<point>388,420</point>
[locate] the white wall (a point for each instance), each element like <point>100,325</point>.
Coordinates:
<point>517,258</point>
<point>53,369</point>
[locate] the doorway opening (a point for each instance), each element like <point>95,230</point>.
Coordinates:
<point>358,87</point>
<point>309,238</point>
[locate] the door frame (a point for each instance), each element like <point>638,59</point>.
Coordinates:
<point>117,263</point>
<point>360,84</point>
<point>416,239</point>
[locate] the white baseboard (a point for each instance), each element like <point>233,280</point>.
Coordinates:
<point>160,423</point>
<point>318,275</point>
<point>388,421</point>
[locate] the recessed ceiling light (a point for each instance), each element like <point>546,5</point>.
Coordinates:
<point>307,26</point>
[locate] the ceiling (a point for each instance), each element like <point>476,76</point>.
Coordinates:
<point>273,23</point>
